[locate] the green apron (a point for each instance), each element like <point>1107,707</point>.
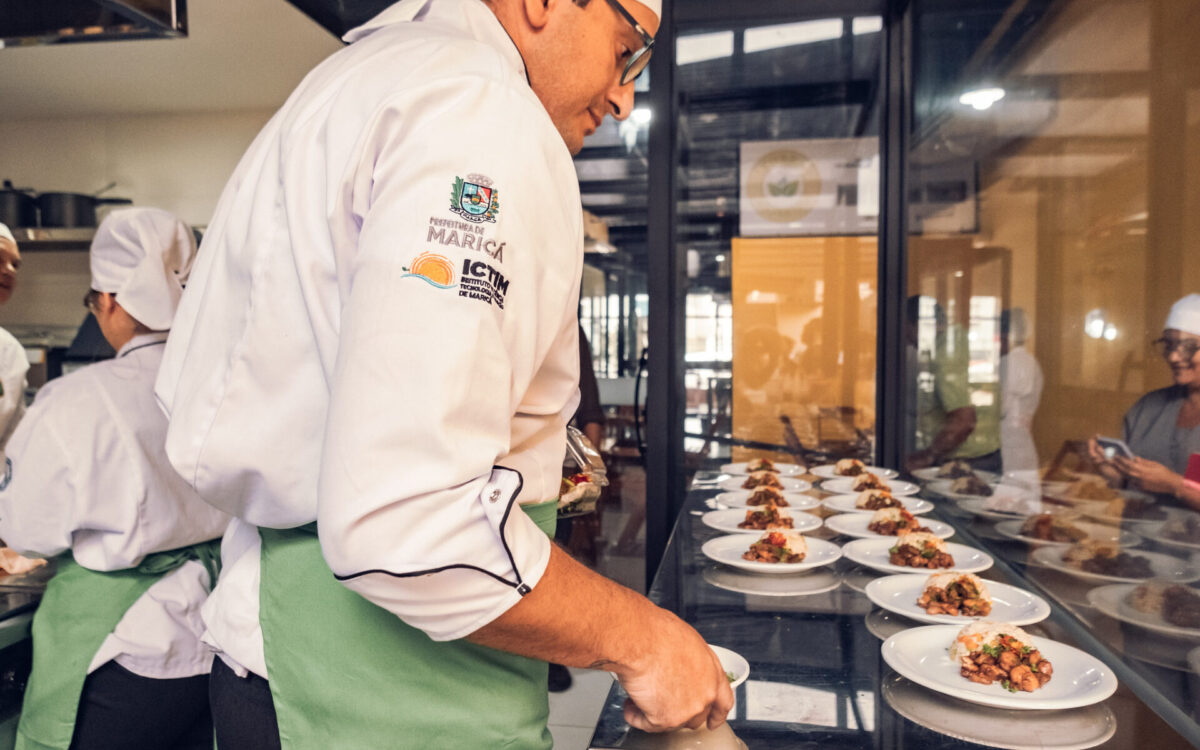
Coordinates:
<point>345,673</point>
<point>77,613</point>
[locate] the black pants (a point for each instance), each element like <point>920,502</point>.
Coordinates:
<point>120,710</point>
<point>242,710</point>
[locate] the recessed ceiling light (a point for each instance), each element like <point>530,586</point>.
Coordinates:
<point>981,99</point>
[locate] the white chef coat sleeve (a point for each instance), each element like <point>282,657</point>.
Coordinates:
<point>438,345</point>
<point>38,491</point>
<point>14,364</point>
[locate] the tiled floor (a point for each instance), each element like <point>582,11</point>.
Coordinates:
<point>573,713</point>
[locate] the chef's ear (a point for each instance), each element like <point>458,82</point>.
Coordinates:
<point>537,12</point>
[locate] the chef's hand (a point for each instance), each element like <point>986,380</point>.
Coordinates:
<point>1151,475</point>
<point>919,460</point>
<point>678,683</point>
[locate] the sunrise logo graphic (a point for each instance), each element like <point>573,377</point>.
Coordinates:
<point>435,270</point>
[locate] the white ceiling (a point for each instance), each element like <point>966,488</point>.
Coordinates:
<point>239,55</point>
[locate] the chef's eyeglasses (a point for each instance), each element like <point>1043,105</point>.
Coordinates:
<point>1187,348</point>
<point>640,58</point>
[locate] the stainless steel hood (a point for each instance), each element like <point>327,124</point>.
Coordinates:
<point>28,22</point>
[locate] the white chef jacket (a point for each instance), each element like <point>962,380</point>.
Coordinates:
<point>89,473</point>
<point>14,363</point>
<point>362,344</point>
<point>1021,383</point>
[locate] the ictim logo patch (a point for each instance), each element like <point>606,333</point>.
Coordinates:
<point>435,270</point>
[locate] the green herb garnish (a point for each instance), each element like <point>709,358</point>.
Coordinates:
<point>730,676</point>
<point>928,553</point>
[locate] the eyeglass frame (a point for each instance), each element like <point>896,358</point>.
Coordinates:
<point>1187,348</point>
<point>647,44</point>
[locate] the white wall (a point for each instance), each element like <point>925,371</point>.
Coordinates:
<point>176,162</point>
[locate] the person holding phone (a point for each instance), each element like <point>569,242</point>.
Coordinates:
<point>1162,430</point>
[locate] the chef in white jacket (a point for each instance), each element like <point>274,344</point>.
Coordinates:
<point>117,656</point>
<point>372,369</point>
<point>13,362</point>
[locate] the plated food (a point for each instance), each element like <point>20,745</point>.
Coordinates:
<point>767,517</point>
<point>1134,509</point>
<point>787,484</point>
<point>1099,562</point>
<point>767,496</point>
<point>920,549</point>
<point>877,554</point>
<point>1170,609</point>
<point>991,652</point>
<point>894,522</point>
<point>903,594</point>
<point>763,464</point>
<point>851,504</point>
<point>1054,529</point>
<point>737,669</point>
<point>729,550</point>
<point>848,485</point>
<point>777,547</point>
<point>955,594</point>
<point>867,481</point>
<point>858,524</point>
<point>875,500</point>
<point>1185,529</point>
<point>791,500</point>
<point>730,520</point>
<point>924,655</point>
<point>955,469</point>
<point>971,485</point>
<point>850,467</point>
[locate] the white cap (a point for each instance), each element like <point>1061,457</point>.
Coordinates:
<point>654,5</point>
<point>143,255</point>
<point>6,233</point>
<point>1185,315</point>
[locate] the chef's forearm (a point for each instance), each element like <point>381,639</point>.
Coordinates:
<point>577,618</point>
<point>960,423</point>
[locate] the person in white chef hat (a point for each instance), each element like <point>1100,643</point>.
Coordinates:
<point>1163,428</point>
<point>373,368</point>
<point>117,655</point>
<point>13,362</point>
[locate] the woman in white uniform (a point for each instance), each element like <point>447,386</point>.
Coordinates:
<point>13,363</point>
<point>117,656</point>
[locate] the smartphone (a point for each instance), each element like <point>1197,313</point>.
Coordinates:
<point>1113,448</point>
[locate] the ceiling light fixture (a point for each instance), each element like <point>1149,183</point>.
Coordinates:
<point>981,99</point>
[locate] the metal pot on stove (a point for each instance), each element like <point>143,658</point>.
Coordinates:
<point>74,209</point>
<point>18,206</point>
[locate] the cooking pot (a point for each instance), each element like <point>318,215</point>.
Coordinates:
<point>18,207</point>
<point>73,209</point>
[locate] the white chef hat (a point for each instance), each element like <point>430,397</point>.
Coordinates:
<point>653,5</point>
<point>1185,315</point>
<point>6,233</point>
<point>143,255</point>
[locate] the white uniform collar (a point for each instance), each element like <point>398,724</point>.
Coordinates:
<point>142,339</point>
<point>470,15</point>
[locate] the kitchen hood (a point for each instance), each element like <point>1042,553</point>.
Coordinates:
<point>29,22</point>
<point>339,16</point>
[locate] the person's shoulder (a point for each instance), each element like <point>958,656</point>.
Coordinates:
<point>12,353</point>
<point>1158,398</point>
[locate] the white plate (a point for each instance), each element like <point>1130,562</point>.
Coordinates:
<point>873,553</point>
<point>784,470</point>
<point>789,484</point>
<point>1113,600</point>
<point>1077,729</point>
<point>979,507</point>
<point>899,594</point>
<point>929,474</point>
<point>728,551</point>
<point>1096,511</point>
<point>733,663</point>
<point>845,504</point>
<point>829,471</point>
<point>1170,569</point>
<point>816,582</point>
<point>855,524</point>
<point>844,486</point>
<point>728,520</point>
<point>923,656</point>
<point>1002,494</point>
<point>738,498</point>
<point>1012,530</point>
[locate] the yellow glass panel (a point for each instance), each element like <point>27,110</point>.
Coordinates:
<point>804,340</point>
